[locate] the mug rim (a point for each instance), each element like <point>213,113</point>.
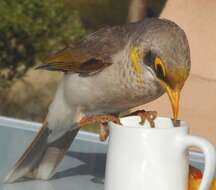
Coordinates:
<point>182,126</point>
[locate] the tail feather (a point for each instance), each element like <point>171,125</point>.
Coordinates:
<point>54,154</point>
<point>41,158</point>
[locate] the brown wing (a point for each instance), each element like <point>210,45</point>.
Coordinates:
<point>91,55</point>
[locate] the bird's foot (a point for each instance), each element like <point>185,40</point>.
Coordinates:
<point>150,116</point>
<point>103,121</point>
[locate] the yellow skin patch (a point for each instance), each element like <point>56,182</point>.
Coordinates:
<point>158,62</point>
<point>135,57</point>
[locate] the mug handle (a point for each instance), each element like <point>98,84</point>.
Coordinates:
<point>210,158</point>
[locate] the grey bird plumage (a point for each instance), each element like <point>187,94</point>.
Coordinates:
<point>100,78</point>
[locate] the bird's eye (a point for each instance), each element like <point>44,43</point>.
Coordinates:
<point>159,68</point>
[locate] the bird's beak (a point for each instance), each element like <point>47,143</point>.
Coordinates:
<point>174,96</point>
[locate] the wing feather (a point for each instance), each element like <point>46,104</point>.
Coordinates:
<point>91,55</point>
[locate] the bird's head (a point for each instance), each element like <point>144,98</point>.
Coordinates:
<point>164,52</point>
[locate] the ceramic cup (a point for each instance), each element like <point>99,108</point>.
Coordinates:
<point>143,158</point>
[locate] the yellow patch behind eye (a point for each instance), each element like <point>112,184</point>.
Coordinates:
<point>157,62</point>
<point>135,57</point>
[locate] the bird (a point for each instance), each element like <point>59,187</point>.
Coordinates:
<point>109,71</point>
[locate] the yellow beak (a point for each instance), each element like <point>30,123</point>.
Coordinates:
<point>174,96</point>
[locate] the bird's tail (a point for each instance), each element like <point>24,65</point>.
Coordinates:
<point>41,157</point>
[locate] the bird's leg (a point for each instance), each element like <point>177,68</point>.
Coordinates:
<point>104,131</point>
<point>98,119</point>
<point>102,120</point>
<point>150,116</point>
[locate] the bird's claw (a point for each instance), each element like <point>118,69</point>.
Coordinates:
<point>150,116</point>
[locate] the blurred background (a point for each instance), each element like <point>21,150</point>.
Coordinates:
<point>31,29</point>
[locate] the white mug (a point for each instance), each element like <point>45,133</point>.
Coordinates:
<point>143,158</point>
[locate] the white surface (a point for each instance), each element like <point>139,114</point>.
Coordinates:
<point>82,168</point>
<point>152,158</point>
<point>34,126</point>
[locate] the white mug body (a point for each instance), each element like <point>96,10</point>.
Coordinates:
<point>147,158</point>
